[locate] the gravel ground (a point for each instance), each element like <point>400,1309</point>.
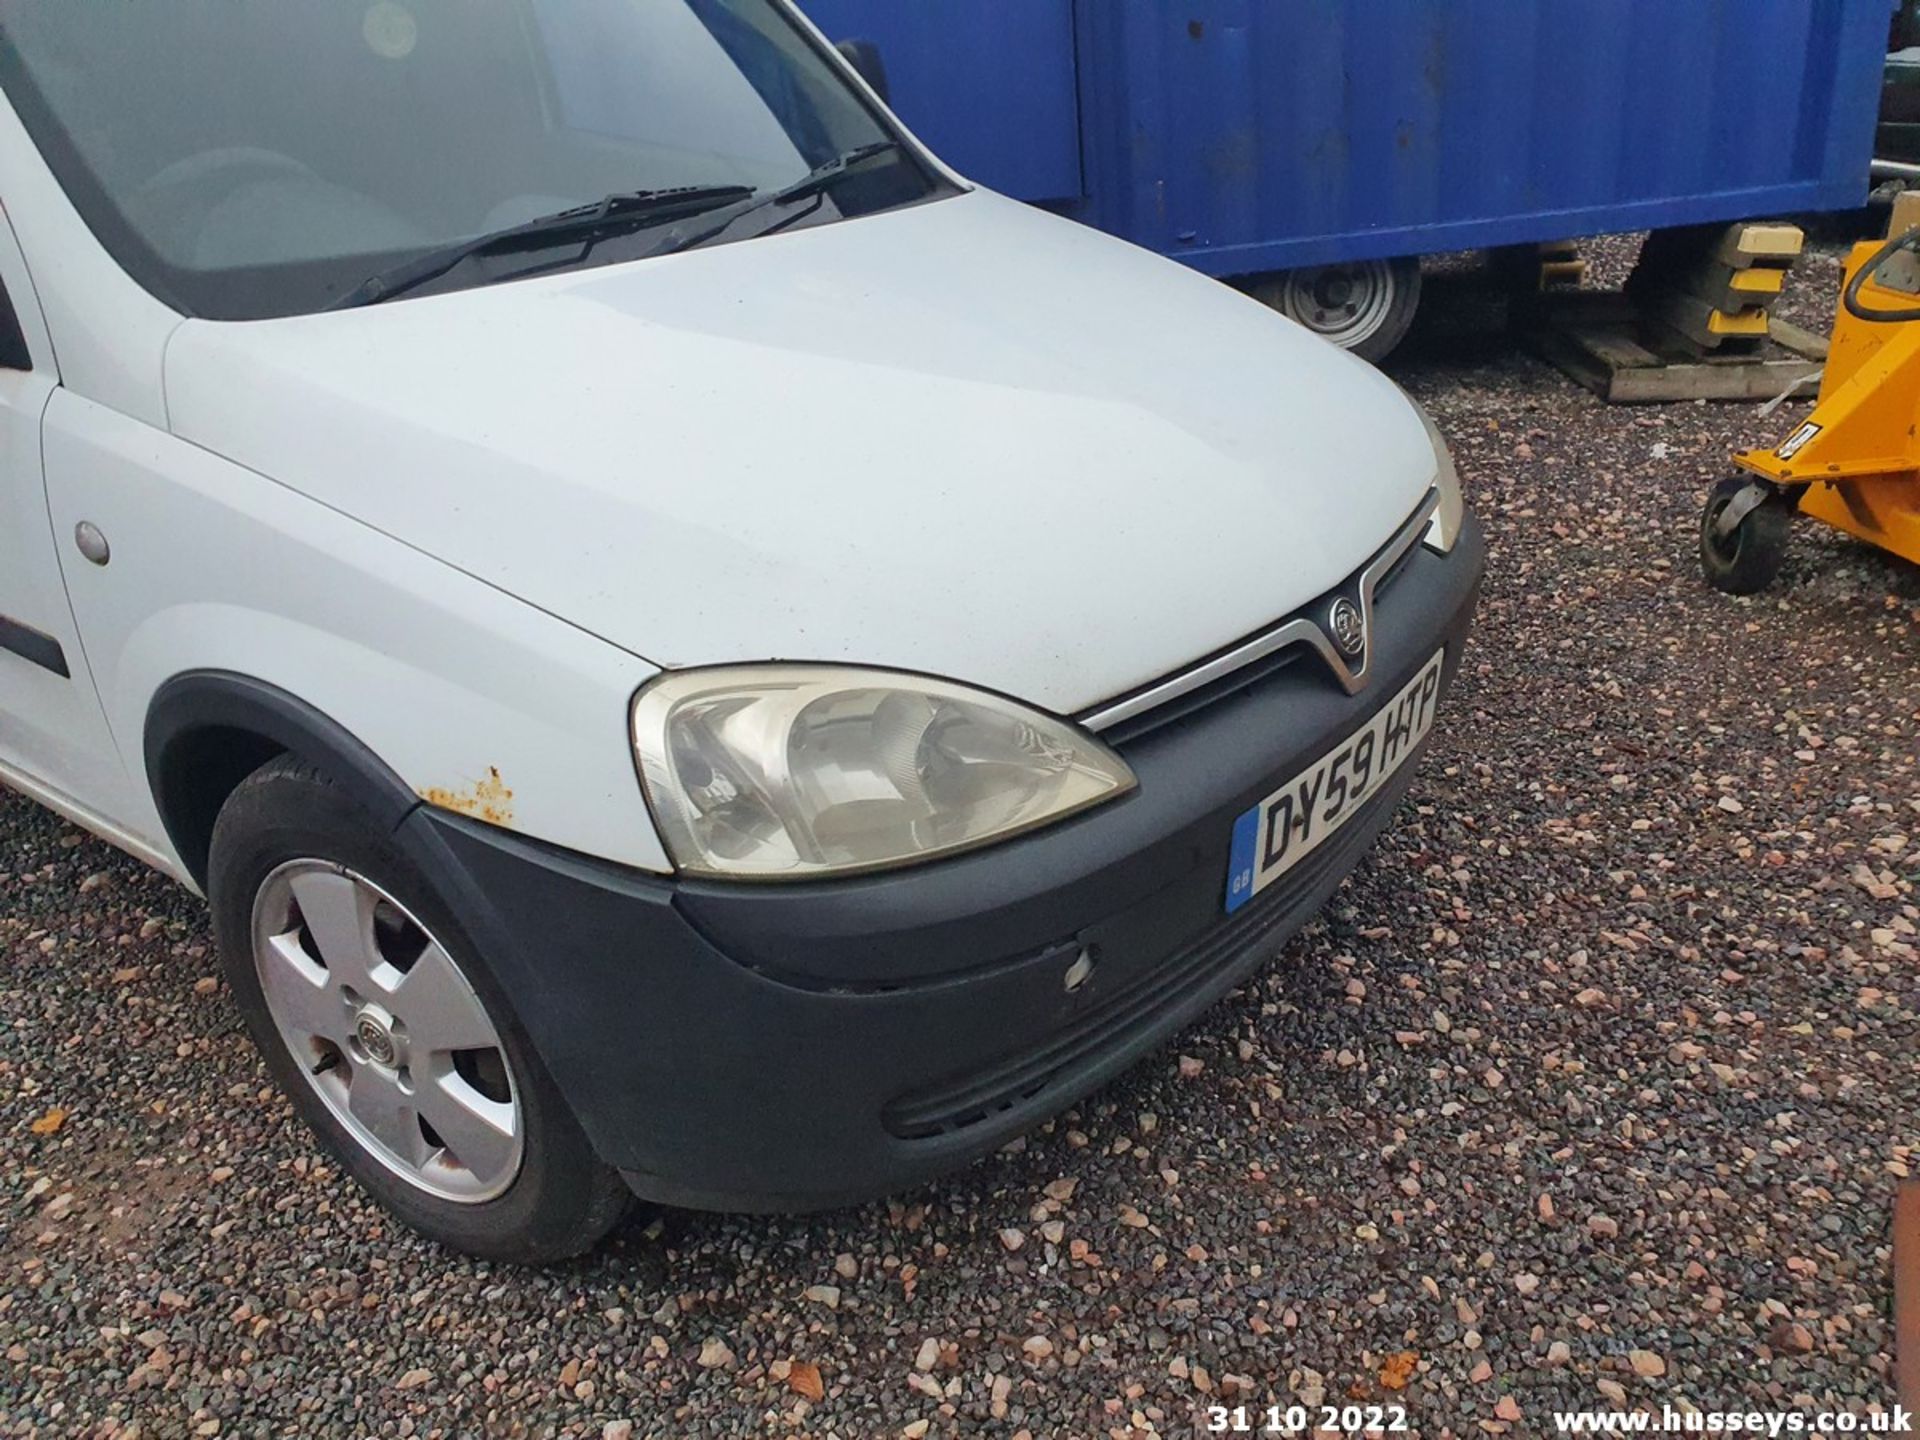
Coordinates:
<point>1591,1088</point>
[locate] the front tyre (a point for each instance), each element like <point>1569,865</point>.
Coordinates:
<point>373,1013</point>
<point>1365,306</point>
<point>1746,559</point>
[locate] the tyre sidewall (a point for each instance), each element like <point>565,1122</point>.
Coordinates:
<point>1404,273</point>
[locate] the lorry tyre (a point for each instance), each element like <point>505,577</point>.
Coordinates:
<point>1365,306</point>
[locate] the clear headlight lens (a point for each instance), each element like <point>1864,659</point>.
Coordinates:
<point>1444,529</point>
<point>801,771</point>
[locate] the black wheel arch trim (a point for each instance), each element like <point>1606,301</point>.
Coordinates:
<point>198,701</point>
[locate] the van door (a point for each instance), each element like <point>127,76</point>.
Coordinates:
<point>54,741</point>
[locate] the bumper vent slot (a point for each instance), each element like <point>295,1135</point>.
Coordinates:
<point>1215,960</point>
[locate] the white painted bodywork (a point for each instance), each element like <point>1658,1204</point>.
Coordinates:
<point>446,679</point>
<point>962,438</point>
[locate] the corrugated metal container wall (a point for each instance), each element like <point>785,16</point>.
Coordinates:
<point>1248,135</point>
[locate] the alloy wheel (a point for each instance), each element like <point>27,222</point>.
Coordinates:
<point>387,1030</point>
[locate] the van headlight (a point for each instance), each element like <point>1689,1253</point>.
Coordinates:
<point>802,771</point>
<point>1444,528</point>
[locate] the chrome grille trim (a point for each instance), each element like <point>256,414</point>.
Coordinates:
<point>1301,629</point>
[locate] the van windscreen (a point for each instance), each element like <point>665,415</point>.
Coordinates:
<point>252,158</point>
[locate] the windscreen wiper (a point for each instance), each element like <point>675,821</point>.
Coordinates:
<point>631,210</point>
<point>816,181</point>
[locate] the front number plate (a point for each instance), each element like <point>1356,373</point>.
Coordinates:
<point>1282,830</point>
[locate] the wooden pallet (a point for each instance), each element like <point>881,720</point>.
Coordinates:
<point>1600,340</point>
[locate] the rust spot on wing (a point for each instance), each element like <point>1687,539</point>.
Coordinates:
<point>486,799</point>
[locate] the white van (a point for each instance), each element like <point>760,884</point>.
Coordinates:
<point>693,652</point>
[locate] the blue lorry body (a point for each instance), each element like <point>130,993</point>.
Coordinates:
<point>1245,136</point>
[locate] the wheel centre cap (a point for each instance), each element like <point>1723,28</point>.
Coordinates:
<point>375,1035</point>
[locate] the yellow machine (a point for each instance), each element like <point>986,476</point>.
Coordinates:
<point>1855,461</point>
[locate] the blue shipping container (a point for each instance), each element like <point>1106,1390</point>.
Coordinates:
<point>1245,136</point>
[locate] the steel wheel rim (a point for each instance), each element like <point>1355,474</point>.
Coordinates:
<point>387,1031</point>
<point>1346,303</point>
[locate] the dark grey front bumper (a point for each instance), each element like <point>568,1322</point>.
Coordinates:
<point>789,1047</point>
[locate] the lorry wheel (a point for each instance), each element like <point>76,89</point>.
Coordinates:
<point>1365,306</point>
<point>378,1021</point>
<point>1745,561</point>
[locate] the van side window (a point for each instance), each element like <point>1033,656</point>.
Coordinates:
<point>13,343</point>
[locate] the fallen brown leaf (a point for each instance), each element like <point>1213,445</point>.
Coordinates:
<point>804,1380</point>
<point>50,1122</point>
<point>1398,1370</point>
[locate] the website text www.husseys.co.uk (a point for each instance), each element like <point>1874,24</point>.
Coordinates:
<point>1897,1421</point>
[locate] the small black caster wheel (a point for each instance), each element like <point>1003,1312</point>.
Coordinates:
<point>1743,559</point>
